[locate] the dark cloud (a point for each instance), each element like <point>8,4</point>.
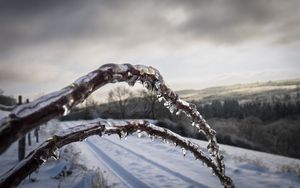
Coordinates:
<point>25,23</point>
<point>32,29</point>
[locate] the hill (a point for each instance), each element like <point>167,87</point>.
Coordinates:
<point>261,91</point>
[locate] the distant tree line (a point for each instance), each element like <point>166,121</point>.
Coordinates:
<point>266,111</point>
<point>270,126</point>
<point>7,100</point>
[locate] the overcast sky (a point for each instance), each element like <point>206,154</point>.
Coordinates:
<point>46,45</point>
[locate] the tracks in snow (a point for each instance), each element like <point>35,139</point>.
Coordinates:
<point>134,169</point>
<point>137,170</point>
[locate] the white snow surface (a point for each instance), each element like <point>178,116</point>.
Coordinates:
<point>141,162</point>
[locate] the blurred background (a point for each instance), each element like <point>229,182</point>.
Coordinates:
<point>238,61</point>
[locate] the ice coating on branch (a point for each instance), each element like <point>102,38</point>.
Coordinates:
<point>61,102</point>
<point>28,108</point>
<point>85,78</point>
<point>148,76</point>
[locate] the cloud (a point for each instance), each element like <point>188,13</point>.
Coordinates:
<point>65,39</point>
<point>137,22</point>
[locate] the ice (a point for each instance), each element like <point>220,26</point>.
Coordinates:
<point>120,68</point>
<point>56,154</point>
<point>123,135</point>
<point>86,78</point>
<point>116,68</point>
<point>66,110</point>
<point>29,108</point>
<point>149,76</point>
<point>183,151</point>
<point>160,99</point>
<point>178,112</point>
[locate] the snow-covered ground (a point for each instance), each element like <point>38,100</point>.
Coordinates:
<point>141,162</point>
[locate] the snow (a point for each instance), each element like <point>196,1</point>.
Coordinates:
<point>143,162</point>
<point>158,164</point>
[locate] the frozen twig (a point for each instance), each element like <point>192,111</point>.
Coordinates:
<point>26,117</point>
<point>122,128</point>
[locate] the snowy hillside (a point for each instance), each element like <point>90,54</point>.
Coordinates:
<point>141,162</point>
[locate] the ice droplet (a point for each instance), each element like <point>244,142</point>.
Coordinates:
<point>167,104</point>
<point>165,141</point>
<point>183,151</point>
<point>129,74</point>
<point>172,108</point>
<point>160,99</point>
<point>178,112</point>
<point>66,110</point>
<point>56,154</point>
<point>193,124</point>
<point>123,135</point>
<point>43,159</point>
<point>140,134</point>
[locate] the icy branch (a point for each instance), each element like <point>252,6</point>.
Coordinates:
<point>26,117</point>
<point>122,128</point>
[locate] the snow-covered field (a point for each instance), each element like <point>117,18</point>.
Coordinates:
<point>141,162</point>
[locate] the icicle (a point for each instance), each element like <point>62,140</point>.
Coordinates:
<point>43,159</point>
<point>183,151</point>
<point>160,99</point>
<point>140,134</point>
<point>165,141</point>
<point>124,135</point>
<point>172,108</point>
<point>55,155</point>
<point>167,104</point>
<point>178,112</point>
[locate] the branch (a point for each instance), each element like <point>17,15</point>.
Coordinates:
<point>122,128</point>
<point>28,116</point>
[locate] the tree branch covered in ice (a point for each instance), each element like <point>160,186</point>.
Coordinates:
<point>104,127</point>
<point>26,117</point>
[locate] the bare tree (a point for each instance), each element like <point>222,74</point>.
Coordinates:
<point>120,96</point>
<point>91,107</point>
<point>149,100</point>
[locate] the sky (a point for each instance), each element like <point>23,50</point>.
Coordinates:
<point>46,45</point>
